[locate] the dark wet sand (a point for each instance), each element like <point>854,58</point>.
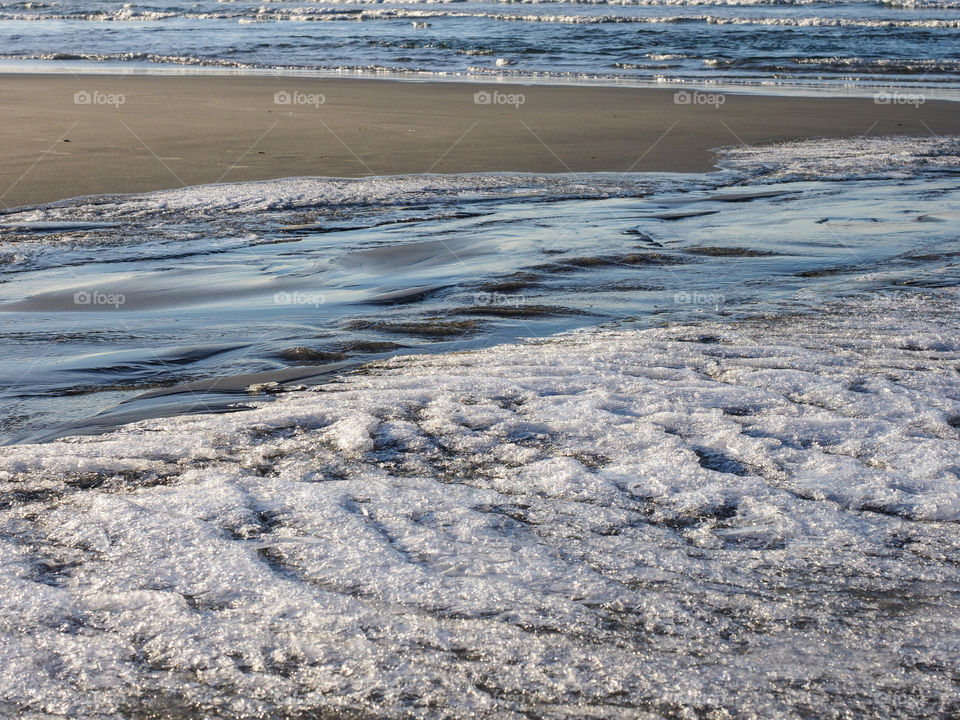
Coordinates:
<point>188,130</point>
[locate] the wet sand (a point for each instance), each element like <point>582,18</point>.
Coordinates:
<point>64,136</point>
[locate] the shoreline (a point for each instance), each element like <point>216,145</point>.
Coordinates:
<point>729,85</point>
<point>66,136</point>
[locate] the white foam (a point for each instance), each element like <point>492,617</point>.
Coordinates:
<point>845,158</point>
<point>294,193</point>
<point>599,524</point>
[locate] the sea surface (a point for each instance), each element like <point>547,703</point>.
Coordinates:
<point>836,45</point>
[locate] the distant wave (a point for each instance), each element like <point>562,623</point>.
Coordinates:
<point>747,70</point>
<point>129,12</point>
<point>333,15</point>
<point>921,4</point>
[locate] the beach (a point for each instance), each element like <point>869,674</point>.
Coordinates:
<point>142,133</point>
<point>456,359</point>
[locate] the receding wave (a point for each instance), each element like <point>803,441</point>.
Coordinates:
<point>747,69</point>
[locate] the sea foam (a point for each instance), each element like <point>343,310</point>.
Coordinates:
<point>602,523</point>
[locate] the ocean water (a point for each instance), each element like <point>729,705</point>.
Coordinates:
<point>836,44</point>
<point>200,299</point>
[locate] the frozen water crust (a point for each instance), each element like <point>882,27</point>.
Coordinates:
<point>753,519</point>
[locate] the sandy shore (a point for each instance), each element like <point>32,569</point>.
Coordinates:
<point>140,133</point>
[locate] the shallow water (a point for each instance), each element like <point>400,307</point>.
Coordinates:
<point>105,301</point>
<point>805,43</point>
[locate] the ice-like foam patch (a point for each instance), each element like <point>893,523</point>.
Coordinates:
<point>603,524</point>
<point>217,200</point>
<point>845,158</point>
